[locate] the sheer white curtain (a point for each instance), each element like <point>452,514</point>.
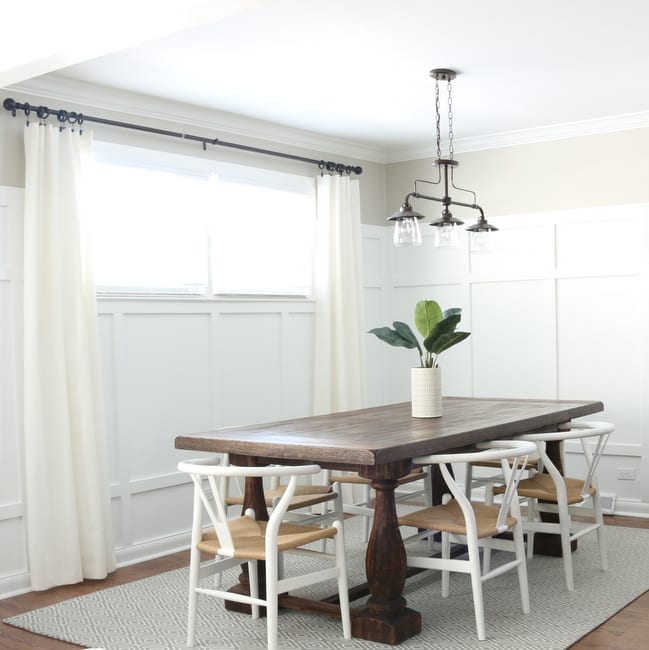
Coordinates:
<point>68,521</point>
<point>339,323</point>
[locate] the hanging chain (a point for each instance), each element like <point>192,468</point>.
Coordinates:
<point>437,119</point>
<point>450,122</point>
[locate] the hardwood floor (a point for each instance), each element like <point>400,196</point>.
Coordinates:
<point>627,630</point>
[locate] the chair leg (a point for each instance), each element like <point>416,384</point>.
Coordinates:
<point>531,503</point>
<point>566,551</point>
<point>343,594</point>
<point>194,565</point>
<point>599,519</point>
<point>446,553</point>
<point>476,587</point>
<point>486,550</point>
<point>519,546</point>
<point>271,601</point>
<point>253,581</point>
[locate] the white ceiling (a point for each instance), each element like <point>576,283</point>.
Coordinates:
<point>359,69</point>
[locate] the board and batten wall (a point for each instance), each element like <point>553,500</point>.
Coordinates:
<point>560,311</point>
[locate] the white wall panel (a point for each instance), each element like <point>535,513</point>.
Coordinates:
<point>421,265</point>
<point>249,350</point>
<point>151,521</point>
<point>107,352</point>
<point>10,489</point>
<point>12,558</point>
<point>603,345</point>
<point>514,339</point>
<point>373,252</point>
<point>603,241</point>
<point>164,387</point>
<point>520,251</point>
<point>375,363</point>
<point>297,365</point>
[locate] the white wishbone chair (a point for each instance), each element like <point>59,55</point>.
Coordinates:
<point>242,539</point>
<point>549,491</point>
<point>474,524</point>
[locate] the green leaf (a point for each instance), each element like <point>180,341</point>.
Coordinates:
<point>449,340</point>
<point>453,311</point>
<point>444,327</point>
<point>427,314</point>
<point>404,330</point>
<point>393,337</point>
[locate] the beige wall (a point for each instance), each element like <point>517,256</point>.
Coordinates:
<point>588,171</point>
<point>372,180</point>
<point>597,170</point>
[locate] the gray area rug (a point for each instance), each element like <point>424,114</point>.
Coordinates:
<point>150,614</point>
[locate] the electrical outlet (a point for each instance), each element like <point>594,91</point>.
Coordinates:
<point>626,474</point>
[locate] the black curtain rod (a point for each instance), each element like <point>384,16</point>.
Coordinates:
<point>70,117</point>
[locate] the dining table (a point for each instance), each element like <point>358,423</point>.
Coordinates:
<point>379,443</point>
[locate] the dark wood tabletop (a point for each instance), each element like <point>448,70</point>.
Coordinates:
<point>384,434</point>
<point>380,443</point>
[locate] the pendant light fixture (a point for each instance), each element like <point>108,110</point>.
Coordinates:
<point>406,220</point>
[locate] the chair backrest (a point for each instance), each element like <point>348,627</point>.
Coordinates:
<point>209,494</point>
<point>512,455</point>
<point>593,437</point>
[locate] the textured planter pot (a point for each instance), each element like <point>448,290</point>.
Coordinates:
<point>426,392</point>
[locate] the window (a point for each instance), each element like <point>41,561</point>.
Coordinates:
<point>180,225</point>
<point>262,235</point>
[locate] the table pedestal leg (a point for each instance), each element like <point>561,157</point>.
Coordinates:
<point>386,618</point>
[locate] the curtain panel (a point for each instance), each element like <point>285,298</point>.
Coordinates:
<point>339,382</point>
<point>68,523</point>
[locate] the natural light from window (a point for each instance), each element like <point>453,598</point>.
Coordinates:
<point>161,230</point>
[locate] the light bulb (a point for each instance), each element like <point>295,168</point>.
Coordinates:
<point>481,241</point>
<point>407,232</point>
<point>447,236</point>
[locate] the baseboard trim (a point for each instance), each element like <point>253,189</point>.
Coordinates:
<point>152,549</point>
<point>14,585</point>
<point>631,508</point>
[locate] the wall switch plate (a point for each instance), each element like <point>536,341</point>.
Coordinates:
<point>626,473</point>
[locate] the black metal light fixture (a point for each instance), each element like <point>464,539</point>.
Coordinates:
<point>406,220</point>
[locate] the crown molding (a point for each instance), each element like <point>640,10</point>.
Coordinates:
<point>93,97</point>
<point>527,136</point>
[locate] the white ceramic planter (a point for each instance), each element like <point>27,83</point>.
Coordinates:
<point>426,392</point>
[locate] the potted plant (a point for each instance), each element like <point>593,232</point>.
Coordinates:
<point>438,329</point>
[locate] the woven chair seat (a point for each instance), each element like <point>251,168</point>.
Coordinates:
<point>449,518</point>
<point>542,487</point>
<point>305,496</point>
<point>249,537</point>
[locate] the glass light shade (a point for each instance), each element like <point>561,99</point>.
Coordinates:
<point>481,241</point>
<point>447,236</point>
<point>407,232</point>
